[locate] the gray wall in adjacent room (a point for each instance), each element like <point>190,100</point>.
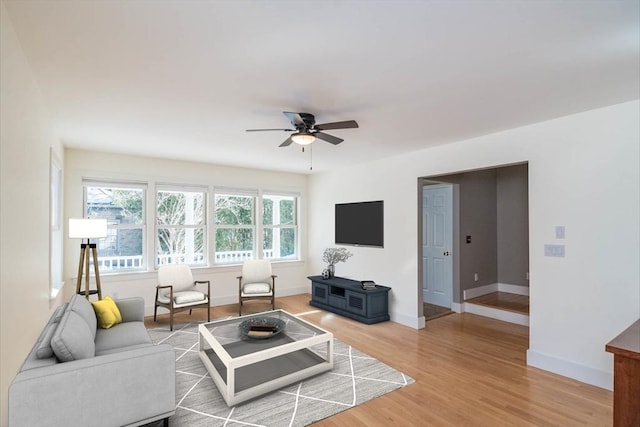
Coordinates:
<point>513,224</point>
<point>477,219</point>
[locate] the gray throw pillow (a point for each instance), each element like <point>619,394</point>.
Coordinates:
<point>43,348</point>
<point>83,307</point>
<point>72,339</point>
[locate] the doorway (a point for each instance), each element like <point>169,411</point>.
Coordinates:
<point>490,233</point>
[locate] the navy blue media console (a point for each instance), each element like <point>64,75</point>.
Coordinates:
<point>347,298</point>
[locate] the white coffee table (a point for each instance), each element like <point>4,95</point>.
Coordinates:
<point>243,368</point>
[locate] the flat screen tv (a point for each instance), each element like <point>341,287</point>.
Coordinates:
<point>360,224</point>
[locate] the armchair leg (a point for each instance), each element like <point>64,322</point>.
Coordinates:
<point>171,319</point>
<point>208,313</point>
<point>155,312</point>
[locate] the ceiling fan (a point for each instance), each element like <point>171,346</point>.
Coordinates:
<point>306,130</point>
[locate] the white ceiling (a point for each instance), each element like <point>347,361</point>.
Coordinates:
<point>184,79</point>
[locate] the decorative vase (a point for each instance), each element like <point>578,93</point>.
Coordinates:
<point>332,270</point>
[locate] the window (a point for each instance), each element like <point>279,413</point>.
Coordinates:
<point>55,202</point>
<point>181,227</point>
<point>234,224</point>
<point>124,207</point>
<point>279,219</point>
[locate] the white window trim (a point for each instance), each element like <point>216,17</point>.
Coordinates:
<point>56,232</point>
<point>149,239</point>
<point>257,239</point>
<point>203,225</point>
<point>295,226</point>
<point>143,226</point>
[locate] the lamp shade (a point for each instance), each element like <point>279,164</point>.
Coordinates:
<point>84,228</point>
<point>302,138</point>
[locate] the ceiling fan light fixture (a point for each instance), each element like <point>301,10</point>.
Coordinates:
<point>303,138</point>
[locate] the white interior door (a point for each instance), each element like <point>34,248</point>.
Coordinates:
<point>437,237</point>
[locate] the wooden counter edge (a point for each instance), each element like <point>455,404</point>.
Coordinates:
<point>626,343</point>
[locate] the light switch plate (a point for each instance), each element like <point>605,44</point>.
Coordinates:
<point>554,250</point>
<point>559,231</point>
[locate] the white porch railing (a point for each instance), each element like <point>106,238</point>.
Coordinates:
<point>134,262</point>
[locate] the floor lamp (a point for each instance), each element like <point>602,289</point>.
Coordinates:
<point>84,228</point>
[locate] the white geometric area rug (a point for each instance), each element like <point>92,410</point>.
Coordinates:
<point>355,379</point>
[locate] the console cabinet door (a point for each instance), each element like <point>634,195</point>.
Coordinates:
<point>320,292</point>
<point>378,305</point>
<point>356,303</point>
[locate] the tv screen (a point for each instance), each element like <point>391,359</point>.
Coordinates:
<point>360,224</point>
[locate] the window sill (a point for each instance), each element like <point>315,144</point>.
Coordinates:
<point>126,276</point>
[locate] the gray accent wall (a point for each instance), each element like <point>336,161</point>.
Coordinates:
<point>513,224</point>
<point>477,198</point>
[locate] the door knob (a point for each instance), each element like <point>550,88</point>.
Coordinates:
<point>446,253</point>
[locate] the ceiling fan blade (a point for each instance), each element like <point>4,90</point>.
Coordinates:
<point>286,143</point>
<point>294,118</point>
<point>349,124</point>
<point>329,138</point>
<point>263,130</point>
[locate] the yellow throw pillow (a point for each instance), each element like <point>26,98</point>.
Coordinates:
<point>107,312</point>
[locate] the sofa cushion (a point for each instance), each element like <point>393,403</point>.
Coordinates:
<point>43,346</point>
<point>72,339</point>
<point>121,336</point>
<point>107,312</point>
<point>83,307</point>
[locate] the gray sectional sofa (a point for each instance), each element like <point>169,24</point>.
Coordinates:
<point>80,375</point>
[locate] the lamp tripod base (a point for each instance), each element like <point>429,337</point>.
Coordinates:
<point>87,250</point>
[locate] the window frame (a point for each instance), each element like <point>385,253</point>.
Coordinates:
<point>204,224</point>
<point>121,185</point>
<point>295,226</point>
<point>56,227</point>
<point>256,241</point>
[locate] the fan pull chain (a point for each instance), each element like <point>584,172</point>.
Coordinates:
<point>310,157</point>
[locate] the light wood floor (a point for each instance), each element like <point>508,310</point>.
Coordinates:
<point>432,311</point>
<point>504,301</point>
<point>469,371</point>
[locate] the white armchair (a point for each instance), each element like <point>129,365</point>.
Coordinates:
<point>257,282</point>
<point>177,291</point>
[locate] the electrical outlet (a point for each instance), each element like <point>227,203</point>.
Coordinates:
<point>475,277</point>
<point>559,231</point>
<point>554,250</point>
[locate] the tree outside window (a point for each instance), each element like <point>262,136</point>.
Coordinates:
<point>279,219</point>
<point>234,227</point>
<point>181,231</point>
<point>123,207</point>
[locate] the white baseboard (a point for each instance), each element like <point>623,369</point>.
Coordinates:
<point>479,291</point>
<point>505,316</point>
<point>403,319</point>
<point>458,308</point>
<point>513,289</point>
<point>495,287</point>
<point>570,369</point>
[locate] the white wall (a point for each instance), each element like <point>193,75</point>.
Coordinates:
<point>583,174</point>
<point>26,136</point>
<point>80,164</point>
